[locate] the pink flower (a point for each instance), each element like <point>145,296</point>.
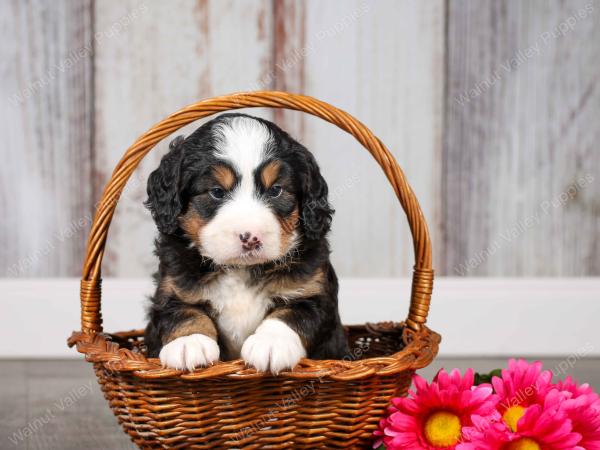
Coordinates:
<point>577,390</point>
<point>548,426</point>
<point>485,434</point>
<point>583,408</point>
<point>433,417</point>
<point>521,386</point>
<point>544,427</point>
<point>526,412</point>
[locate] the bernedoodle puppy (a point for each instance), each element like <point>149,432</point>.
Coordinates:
<point>243,215</point>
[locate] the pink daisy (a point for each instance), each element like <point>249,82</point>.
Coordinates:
<point>577,390</point>
<point>521,385</point>
<point>583,408</point>
<point>544,427</point>
<point>485,434</point>
<point>433,417</point>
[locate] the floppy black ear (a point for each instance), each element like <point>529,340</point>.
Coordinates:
<point>164,200</point>
<point>316,212</point>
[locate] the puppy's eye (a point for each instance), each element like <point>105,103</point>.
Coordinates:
<point>217,193</point>
<point>274,191</point>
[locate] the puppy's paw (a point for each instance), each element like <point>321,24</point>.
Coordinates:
<point>274,346</point>
<point>189,352</point>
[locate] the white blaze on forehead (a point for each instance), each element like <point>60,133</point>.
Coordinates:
<point>245,143</point>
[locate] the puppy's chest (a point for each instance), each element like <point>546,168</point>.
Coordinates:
<point>240,308</point>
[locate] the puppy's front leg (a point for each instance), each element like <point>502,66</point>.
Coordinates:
<point>190,343</point>
<point>282,339</point>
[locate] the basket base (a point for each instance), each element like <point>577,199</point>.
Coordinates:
<point>226,414</point>
<point>320,405</point>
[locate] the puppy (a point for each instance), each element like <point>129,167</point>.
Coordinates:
<point>242,214</point>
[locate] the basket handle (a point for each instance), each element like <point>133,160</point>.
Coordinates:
<point>422,282</point>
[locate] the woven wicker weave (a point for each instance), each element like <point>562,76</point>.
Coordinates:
<point>320,404</point>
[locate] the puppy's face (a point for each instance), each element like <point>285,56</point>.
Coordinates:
<point>245,209</point>
<point>241,190</point>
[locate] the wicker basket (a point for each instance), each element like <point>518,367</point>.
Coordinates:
<point>320,404</point>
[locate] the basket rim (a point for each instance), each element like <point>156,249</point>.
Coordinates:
<point>420,350</point>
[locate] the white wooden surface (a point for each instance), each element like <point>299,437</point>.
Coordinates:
<point>46,126</point>
<point>173,54</point>
<point>396,88</point>
<point>475,316</point>
<point>484,169</point>
<point>522,162</point>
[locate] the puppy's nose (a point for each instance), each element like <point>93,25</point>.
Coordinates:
<point>249,241</point>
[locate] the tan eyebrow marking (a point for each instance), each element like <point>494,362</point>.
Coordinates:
<point>270,173</point>
<point>224,175</point>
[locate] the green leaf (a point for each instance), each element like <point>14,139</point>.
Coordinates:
<point>481,378</point>
<point>496,373</point>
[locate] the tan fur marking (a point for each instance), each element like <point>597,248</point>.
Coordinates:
<point>270,173</point>
<point>288,226</point>
<point>288,288</point>
<point>169,286</point>
<point>224,176</point>
<point>192,224</point>
<point>197,323</point>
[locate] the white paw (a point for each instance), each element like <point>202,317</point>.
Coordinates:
<point>188,352</point>
<point>274,346</point>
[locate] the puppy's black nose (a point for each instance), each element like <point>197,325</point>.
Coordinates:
<point>250,242</point>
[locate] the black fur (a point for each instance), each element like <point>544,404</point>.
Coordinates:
<point>182,181</point>
<point>164,201</point>
<point>316,211</point>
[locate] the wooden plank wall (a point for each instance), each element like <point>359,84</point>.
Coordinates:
<point>522,161</point>
<point>370,236</point>
<point>490,107</point>
<point>152,68</point>
<point>46,121</point>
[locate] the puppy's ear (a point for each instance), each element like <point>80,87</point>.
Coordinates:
<point>164,199</point>
<point>316,213</point>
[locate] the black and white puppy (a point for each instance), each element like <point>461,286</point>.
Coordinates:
<point>243,215</point>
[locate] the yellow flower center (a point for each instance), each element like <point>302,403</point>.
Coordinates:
<point>442,429</point>
<point>524,444</point>
<point>512,415</point>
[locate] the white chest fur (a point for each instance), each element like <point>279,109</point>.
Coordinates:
<point>240,307</point>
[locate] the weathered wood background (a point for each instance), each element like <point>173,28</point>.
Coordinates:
<point>492,108</point>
